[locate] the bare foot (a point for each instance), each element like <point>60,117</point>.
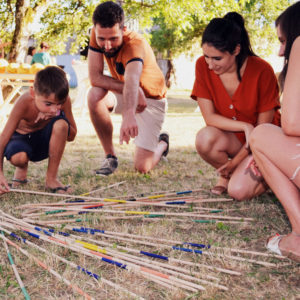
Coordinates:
<point>19,177</point>
<point>56,186</point>
<point>290,246</point>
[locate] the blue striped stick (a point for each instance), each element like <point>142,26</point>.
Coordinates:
<point>89,230</point>
<point>130,266</point>
<point>53,272</point>
<point>20,282</point>
<point>93,231</point>
<point>52,254</point>
<point>120,265</point>
<point>97,277</point>
<point>187,250</point>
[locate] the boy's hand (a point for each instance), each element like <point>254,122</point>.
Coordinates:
<point>4,187</point>
<point>42,117</point>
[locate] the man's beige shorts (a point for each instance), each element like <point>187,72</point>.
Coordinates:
<point>149,121</point>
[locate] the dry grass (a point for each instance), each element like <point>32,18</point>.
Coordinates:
<point>184,170</point>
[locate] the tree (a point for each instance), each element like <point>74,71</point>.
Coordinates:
<point>178,24</point>
<point>45,20</point>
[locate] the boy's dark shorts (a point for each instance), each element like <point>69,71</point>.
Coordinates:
<point>35,144</point>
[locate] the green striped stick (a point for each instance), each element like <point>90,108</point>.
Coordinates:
<point>20,282</point>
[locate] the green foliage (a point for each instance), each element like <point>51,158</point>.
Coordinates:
<point>179,24</point>
<point>56,22</point>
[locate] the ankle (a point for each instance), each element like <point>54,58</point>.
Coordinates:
<point>295,234</point>
<point>50,178</point>
<point>111,156</point>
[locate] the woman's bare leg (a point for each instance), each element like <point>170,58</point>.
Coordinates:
<point>215,146</point>
<point>277,157</point>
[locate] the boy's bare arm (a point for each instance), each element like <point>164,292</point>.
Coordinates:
<point>11,125</point>
<point>67,108</point>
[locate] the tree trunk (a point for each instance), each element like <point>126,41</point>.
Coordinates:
<point>19,33</point>
<point>170,72</point>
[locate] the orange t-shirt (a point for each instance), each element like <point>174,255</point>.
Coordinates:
<point>135,47</point>
<point>257,92</point>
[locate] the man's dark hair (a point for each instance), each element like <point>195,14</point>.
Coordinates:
<point>226,33</point>
<point>50,80</point>
<point>108,14</point>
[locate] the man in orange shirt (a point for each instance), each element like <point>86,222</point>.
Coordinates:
<point>136,89</point>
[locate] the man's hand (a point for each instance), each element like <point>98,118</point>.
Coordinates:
<point>4,188</point>
<point>142,104</point>
<point>129,128</point>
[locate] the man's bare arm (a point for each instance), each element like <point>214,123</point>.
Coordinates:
<point>132,76</point>
<point>97,78</point>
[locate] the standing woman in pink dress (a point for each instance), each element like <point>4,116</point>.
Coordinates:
<point>277,150</point>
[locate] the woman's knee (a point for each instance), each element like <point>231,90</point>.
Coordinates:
<point>205,139</point>
<point>19,159</point>
<point>237,191</point>
<point>259,135</point>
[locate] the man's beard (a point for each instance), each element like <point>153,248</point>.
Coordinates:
<point>113,51</point>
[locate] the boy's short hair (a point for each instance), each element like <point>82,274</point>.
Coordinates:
<point>108,14</point>
<point>50,80</point>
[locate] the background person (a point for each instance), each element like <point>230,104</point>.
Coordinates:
<point>277,150</point>
<point>136,89</point>
<point>42,57</point>
<point>31,51</point>
<point>236,91</point>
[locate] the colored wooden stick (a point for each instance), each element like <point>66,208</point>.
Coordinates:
<point>158,213</point>
<point>129,266</point>
<point>19,280</point>
<point>46,267</point>
<point>73,265</point>
<point>101,189</point>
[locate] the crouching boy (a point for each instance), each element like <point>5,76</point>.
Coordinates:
<point>38,127</point>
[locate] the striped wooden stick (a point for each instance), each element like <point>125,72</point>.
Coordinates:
<point>128,266</point>
<point>172,260</point>
<point>50,270</point>
<point>100,189</point>
<point>73,265</point>
<point>156,213</point>
<point>19,280</point>
<point>267,264</point>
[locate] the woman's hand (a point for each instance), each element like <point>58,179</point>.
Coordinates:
<point>227,169</point>
<point>252,166</point>
<point>247,128</point>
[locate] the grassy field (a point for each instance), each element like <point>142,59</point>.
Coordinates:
<point>183,170</point>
